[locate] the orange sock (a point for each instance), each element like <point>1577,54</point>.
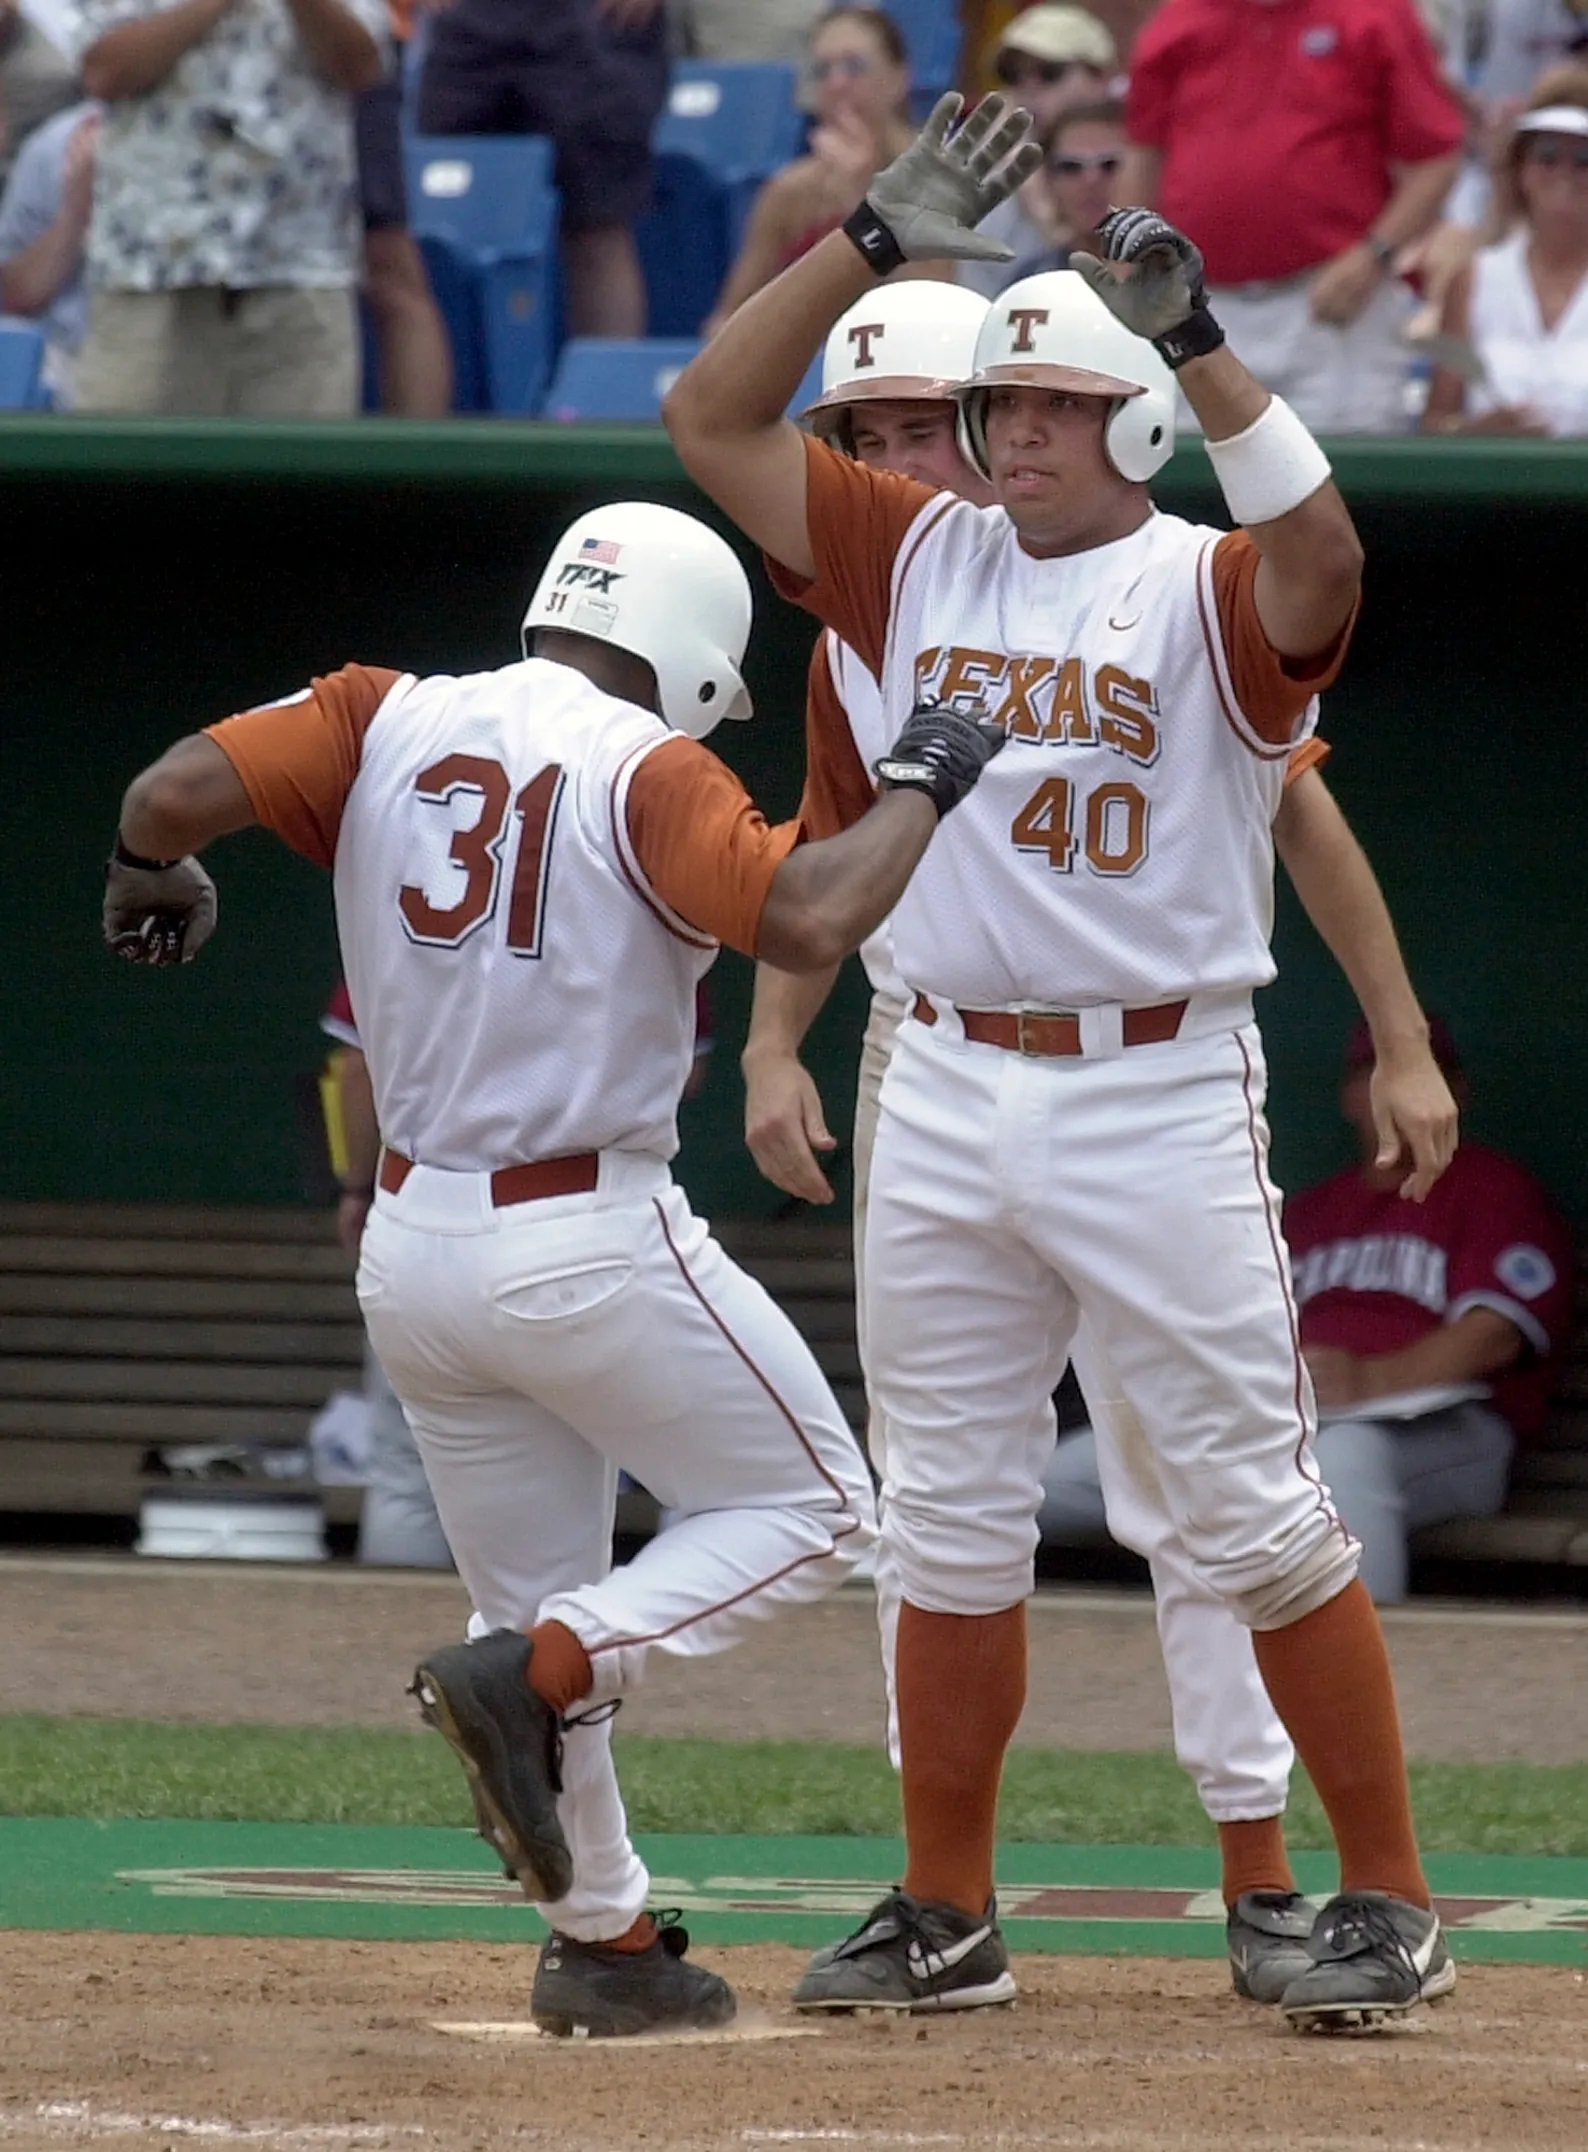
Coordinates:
<point>638,1935</point>
<point>1254,1856</point>
<point>1329,1677</point>
<point>560,1672</point>
<point>962,1685</point>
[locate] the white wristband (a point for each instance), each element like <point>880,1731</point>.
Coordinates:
<point>1269,469</point>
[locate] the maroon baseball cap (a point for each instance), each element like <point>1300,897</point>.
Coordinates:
<point>1359,1053</point>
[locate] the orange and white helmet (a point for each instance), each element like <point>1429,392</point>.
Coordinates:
<point>1052,331</point>
<point>663,586</point>
<point>901,343</point>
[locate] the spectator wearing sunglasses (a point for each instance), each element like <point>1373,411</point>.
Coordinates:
<point>1051,60</point>
<point>1515,325</point>
<point>859,73</point>
<point>1304,144</point>
<point>1085,153</point>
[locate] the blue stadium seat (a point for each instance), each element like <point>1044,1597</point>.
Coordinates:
<point>485,213</point>
<point>933,32</point>
<point>728,125</point>
<point>606,378</point>
<point>21,367</point>
<point>739,118</point>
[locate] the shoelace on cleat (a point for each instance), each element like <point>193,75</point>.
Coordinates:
<point>1367,1924</point>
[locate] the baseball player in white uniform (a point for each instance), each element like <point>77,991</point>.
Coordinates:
<point>533,869</point>
<point>1072,1120</point>
<point>889,369</point>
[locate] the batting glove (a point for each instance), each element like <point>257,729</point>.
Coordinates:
<point>941,752</point>
<point>1150,276</point>
<point>926,204</point>
<point>157,911</point>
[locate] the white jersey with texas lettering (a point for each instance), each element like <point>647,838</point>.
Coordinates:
<point>1120,847</point>
<point>522,993</point>
<point>861,698</point>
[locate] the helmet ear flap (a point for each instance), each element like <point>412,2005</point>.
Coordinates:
<point>971,429</point>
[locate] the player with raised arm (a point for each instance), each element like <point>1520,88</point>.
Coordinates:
<point>890,367</point>
<point>533,869</point>
<point>1072,1121</point>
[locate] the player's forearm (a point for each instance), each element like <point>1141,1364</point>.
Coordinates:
<point>360,1130</point>
<point>784,1007</point>
<point>744,380</point>
<point>1310,573</point>
<point>1475,1346</point>
<point>135,57</point>
<point>1339,891</point>
<point>183,802</point>
<point>827,897</point>
<point>338,43</point>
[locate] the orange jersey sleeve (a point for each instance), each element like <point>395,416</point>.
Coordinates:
<point>701,843</point>
<point>1310,755</point>
<point>1271,689</point>
<point>838,786</point>
<point>857,520</point>
<point>298,759</point>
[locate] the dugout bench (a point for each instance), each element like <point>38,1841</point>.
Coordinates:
<point>129,1328</point>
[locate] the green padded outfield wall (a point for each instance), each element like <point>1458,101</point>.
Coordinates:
<point>159,576</point>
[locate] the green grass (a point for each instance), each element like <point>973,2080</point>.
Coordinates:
<point>122,1767</point>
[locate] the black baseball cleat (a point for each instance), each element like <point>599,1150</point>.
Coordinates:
<point>1266,1934</point>
<point>583,1991</point>
<point>913,1955</point>
<point>509,1741</point>
<point>1373,1957</point>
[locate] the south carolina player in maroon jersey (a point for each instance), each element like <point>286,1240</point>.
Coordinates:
<point>1432,1330</point>
<point>534,868</point>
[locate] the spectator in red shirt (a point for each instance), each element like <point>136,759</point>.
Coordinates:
<point>1302,144</point>
<point>1431,1329</point>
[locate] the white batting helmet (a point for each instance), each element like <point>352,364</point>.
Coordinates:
<point>902,343</point>
<point>659,584</point>
<point>1053,332</point>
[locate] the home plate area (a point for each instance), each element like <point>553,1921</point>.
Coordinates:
<point>299,1987</point>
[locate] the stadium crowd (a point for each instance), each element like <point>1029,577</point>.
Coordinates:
<point>206,202</point>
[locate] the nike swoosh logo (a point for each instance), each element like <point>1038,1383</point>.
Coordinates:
<point>931,1965</point>
<point>1423,1956</point>
<point>1123,627</point>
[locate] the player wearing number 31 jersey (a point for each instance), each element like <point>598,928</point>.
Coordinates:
<point>533,867</point>
<point>1071,1123</point>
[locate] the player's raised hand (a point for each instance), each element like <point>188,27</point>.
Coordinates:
<point>1415,1118</point>
<point>1147,273</point>
<point>157,913</point>
<point>941,752</point>
<point>925,206</point>
<point>784,1126</point>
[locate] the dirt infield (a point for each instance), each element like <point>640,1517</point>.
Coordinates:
<point>159,2041</point>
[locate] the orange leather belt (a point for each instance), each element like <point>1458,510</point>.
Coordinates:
<point>1037,1031</point>
<point>575,1175</point>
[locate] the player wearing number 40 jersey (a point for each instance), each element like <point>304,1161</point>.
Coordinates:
<point>1071,1124</point>
<point>533,868</point>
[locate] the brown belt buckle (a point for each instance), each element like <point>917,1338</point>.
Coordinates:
<point>1034,1042</point>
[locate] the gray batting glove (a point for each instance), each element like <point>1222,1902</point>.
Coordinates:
<point>926,205</point>
<point>158,914</point>
<point>1149,275</point>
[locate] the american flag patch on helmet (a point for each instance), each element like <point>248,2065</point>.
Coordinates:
<point>601,549</point>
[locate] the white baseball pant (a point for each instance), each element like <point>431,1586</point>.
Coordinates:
<point>541,1348</point>
<point>1227,1734</point>
<point>1011,1196</point>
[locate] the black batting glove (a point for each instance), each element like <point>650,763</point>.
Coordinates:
<point>941,752</point>
<point>1150,276</point>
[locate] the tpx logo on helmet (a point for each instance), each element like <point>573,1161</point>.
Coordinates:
<point>1024,320</point>
<point>582,572</point>
<point>863,335</point>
